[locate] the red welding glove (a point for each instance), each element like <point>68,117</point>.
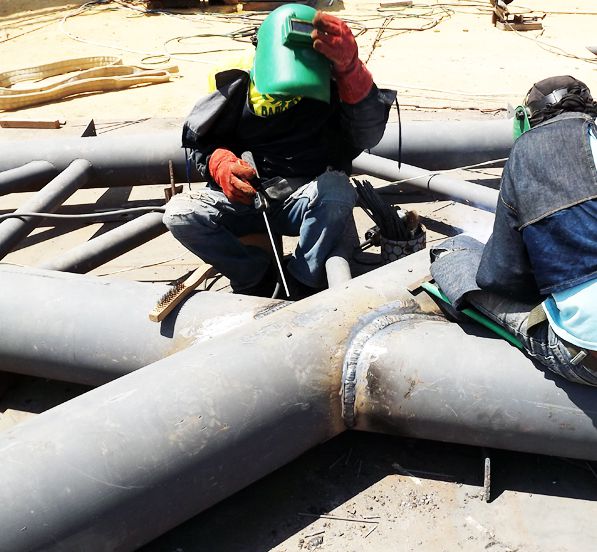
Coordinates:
<point>334,39</point>
<point>232,175</point>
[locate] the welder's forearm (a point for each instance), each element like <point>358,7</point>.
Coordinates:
<point>365,121</point>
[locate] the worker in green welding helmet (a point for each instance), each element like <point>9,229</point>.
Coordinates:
<point>304,105</point>
<point>537,274</point>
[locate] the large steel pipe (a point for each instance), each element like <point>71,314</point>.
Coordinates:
<point>128,159</point>
<point>487,394</point>
<point>92,330</point>
<point>116,467</point>
<point>120,465</point>
<point>108,246</point>
<point>452,188</point>
<point>118,160</point>
<point>52,195</point>
<point>447,144</point>
<point>31,176</point>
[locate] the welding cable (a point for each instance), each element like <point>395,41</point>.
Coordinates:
<point>95,216</point>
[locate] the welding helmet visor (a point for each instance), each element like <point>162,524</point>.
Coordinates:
<point>285,62</point>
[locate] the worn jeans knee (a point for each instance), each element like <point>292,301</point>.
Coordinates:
<point>191,213</point>
<point>335,187</point>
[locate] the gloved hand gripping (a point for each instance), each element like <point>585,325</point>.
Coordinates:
<point>333,38</point>
<point>232,175</point>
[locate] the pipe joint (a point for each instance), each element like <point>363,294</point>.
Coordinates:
<point>354,359</point>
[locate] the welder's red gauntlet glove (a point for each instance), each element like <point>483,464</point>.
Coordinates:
<point>232,175</point>
<point>334,39</point>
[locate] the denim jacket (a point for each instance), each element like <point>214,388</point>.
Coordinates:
<point>550,168</point>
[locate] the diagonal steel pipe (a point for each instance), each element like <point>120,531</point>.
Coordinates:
<point>122,464</point>
<point>452,188</point>
<point>32,175</point>
<point>98,251</point>
<point>91,330</point>
<point>47,200</point>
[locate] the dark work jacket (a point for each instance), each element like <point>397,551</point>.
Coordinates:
<point>300,142</point>
<point>550,169</point>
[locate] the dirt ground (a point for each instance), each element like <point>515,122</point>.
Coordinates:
<point>358,491</point>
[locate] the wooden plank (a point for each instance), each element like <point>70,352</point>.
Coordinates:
<point>14,123</point>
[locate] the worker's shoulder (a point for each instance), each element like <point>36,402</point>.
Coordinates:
<point>233,69</point>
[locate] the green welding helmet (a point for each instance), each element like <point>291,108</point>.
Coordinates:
<point>521,121</point>
<point>285,62</point>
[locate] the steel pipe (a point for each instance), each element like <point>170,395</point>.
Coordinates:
<point>117,160</point>
<point>91,330</point>
<point>116,467</point>
<point>487,394</point>
<point>452,188</point>
<point>53,194</point>
<point>124,463</point>
<point>130,159</point>
<point>108,246</point>
<point>447,144</point>
<point>337,270</point>
<point>33,175</point>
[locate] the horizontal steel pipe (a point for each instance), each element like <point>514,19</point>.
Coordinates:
<point>129,159</point>
<point>452,188</point>
<point>116,467</point>
<point>32,176</point>
<point>118,160</point>
<point>487,394</point>
<point>91,330</point>
<point>447,144</point>
<point>108,246</point>
<point>47,200</point>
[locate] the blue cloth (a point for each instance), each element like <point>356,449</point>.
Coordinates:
<point>550,169</point>
<point>562,247</point>
<point>554,244</point>
<point>207,224</point>
<point>573,314</point>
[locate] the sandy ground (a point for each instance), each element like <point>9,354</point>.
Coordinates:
<point>446,61</point>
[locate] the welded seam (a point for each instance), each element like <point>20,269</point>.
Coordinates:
<point>355,350</point>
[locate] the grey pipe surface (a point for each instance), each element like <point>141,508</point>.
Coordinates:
<point>91,330</point>
<point>447,144</point>
<point>452,188</point>
<point>337,270</point>
<point>116,467</point>
<point>98,251</point>
<point>33,175</point>
<point>431,379</point>
<point>131,159</point>
<point>118,160</point>
<point>48,199</point>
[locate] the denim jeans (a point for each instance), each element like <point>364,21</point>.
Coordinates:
<point>454,265</point>
<point>540,342</point>
<point>209,225</point>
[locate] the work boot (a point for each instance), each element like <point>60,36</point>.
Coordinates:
<point>265,287</point>
<point>298,290</point>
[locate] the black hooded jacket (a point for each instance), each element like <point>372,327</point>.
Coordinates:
<point>302,141</point>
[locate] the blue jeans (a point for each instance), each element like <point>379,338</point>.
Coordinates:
<point>209,225</point>
<point>540,341</point>
<point>454,267</point>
